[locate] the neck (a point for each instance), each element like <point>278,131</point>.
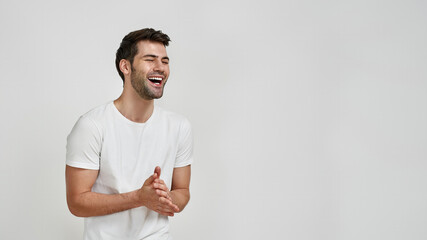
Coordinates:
<point>133,107</point>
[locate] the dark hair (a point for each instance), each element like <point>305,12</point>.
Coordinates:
<point>128,48</point>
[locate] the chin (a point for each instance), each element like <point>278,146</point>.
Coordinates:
<point>150,97</point>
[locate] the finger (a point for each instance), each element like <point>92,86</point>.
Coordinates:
<point>160,186</point>
<point>168,204</point>
<point>161,193</point>
<point>160,181</point>
<point>165,201</point>
<point>166,208</point>
<point>175,208</point>
<point>157,170</point>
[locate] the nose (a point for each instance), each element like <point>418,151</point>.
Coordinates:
<point>159,66</point>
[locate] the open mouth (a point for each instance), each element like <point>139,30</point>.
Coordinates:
<point>156,80</point>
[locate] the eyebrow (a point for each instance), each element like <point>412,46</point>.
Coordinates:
<point>154,56</point>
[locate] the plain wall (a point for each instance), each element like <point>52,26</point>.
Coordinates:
<point>309,117</point>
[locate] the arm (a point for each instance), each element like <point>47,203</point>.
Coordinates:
<point>82,202</point>
<point>180,190</point>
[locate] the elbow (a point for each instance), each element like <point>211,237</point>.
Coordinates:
<point>186,199</point>
<point>74,208</point>
<point>75,211</point>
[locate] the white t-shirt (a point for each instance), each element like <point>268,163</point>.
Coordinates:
<point>126,153</point>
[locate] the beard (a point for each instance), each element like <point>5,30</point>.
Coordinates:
<point>142,87</point>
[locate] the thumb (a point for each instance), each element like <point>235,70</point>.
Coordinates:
<point>158,171</point>
<point>151,179</point>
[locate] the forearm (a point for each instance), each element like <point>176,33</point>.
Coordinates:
<point>91,204</point>
<point>180,197</point>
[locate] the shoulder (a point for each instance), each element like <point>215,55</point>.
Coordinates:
<point>172,116</point>
<point>99,112</point>
<point>95,118</point>
<point>175,120</point>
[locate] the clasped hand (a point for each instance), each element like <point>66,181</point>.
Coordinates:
<point>155,195</point>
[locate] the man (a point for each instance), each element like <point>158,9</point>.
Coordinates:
<point>128,161</point>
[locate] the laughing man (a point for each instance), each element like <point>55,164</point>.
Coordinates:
<point>128,162</point>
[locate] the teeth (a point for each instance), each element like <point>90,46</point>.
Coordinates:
<point>155,78</point>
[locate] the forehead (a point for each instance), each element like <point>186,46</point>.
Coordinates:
<point>149,47</point>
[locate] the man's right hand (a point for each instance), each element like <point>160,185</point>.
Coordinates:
<point>157,198</point>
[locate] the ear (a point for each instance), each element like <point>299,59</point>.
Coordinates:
<point>125,67</point>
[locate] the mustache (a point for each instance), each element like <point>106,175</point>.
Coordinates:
<point>156,74</point>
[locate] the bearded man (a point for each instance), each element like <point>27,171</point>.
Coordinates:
<point>128,162</point>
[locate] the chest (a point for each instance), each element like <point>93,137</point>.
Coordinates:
<point>129,155</point>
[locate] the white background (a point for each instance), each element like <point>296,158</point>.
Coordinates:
<point>309,116</point>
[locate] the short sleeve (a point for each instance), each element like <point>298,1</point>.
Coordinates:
<point>84,145</point>
<point>184,155</point>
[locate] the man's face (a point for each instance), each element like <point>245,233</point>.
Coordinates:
<point>150,70</point>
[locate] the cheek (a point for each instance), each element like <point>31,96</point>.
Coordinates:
<point>144,71</point>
